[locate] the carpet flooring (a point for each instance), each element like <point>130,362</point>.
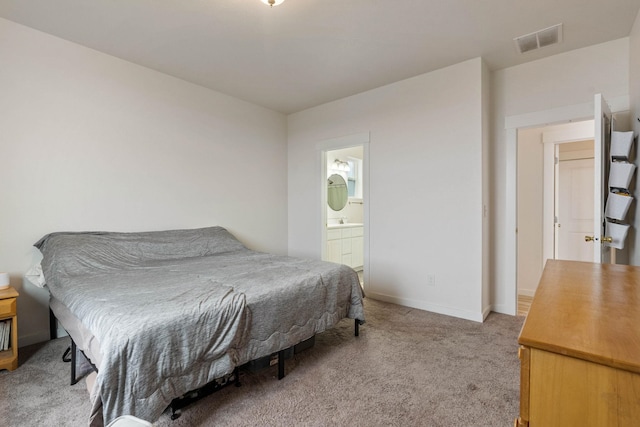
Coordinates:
<point>408,368</point>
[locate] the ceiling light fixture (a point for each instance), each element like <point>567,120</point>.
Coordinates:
<point>341,166</point>
<point>272,3</point>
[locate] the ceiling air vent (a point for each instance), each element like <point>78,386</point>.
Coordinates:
<point>542,38</point>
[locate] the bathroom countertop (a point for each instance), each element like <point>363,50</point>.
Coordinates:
<point>347,225</point>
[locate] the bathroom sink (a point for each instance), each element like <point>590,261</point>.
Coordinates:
<point>349,224</point>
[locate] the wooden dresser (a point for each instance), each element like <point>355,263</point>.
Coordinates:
<point>580,347</point>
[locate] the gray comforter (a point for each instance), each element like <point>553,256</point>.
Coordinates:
<point>175,310</point>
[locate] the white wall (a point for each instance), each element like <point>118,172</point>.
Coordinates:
<point>556,83</point>
<point>530,198</point>
<point>486,190</point>
<point>634,73</point>
<point>425,175</point>
<point>634,90</point>
<point>90,142</point>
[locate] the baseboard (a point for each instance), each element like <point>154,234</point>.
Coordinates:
<point>434,308</point>
<point>527,292</point>
<point>505,309</point>
<point>40,336</point>
<point>33,338</point>
<point>486,312</point>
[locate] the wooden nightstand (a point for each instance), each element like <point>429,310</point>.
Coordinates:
<point>8,303</point>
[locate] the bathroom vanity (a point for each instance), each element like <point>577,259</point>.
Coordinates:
<point>345,245</point>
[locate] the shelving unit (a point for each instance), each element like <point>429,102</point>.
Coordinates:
<point>8,305</point>
<point>620,198</point>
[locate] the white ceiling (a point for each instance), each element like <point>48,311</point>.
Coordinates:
<point>304,53</point>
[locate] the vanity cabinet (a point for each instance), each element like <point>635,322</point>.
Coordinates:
<point>357,248</point>
<point>334,245</point>
<point>345,245</point>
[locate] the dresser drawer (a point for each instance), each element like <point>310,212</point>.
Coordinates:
<point>7,307</point>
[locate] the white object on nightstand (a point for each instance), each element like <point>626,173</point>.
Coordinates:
<point>4,280</point>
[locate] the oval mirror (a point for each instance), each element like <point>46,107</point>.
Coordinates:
<point>336,192</point>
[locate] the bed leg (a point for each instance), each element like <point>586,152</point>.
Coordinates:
<point>357,328</point>
<point>74,380</point>
<point>236,374</point>
<point>281,364</point>
<point>53,330</point>
<point>70,355</point>
<point>175,414</point>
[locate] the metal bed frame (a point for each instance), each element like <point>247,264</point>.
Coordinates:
<point>176,405</point>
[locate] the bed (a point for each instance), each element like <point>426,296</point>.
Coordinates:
<point>162,313</point>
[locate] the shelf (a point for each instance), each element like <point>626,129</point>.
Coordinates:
<point>6,354</point>
<point>8,311</point>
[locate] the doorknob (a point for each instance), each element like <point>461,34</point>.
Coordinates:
<point>603,239</point>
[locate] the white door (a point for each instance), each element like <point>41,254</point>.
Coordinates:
<point>570,141</point>
<point>602,118</point>
<point>575,209</point>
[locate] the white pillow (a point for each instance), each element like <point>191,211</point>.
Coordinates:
<point>35,276</point>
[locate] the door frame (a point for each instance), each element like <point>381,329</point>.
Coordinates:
<point>570,132</point>
<point>577,112</point>
<point>359,139</point>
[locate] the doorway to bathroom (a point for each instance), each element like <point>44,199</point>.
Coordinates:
<point>344,206</point>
